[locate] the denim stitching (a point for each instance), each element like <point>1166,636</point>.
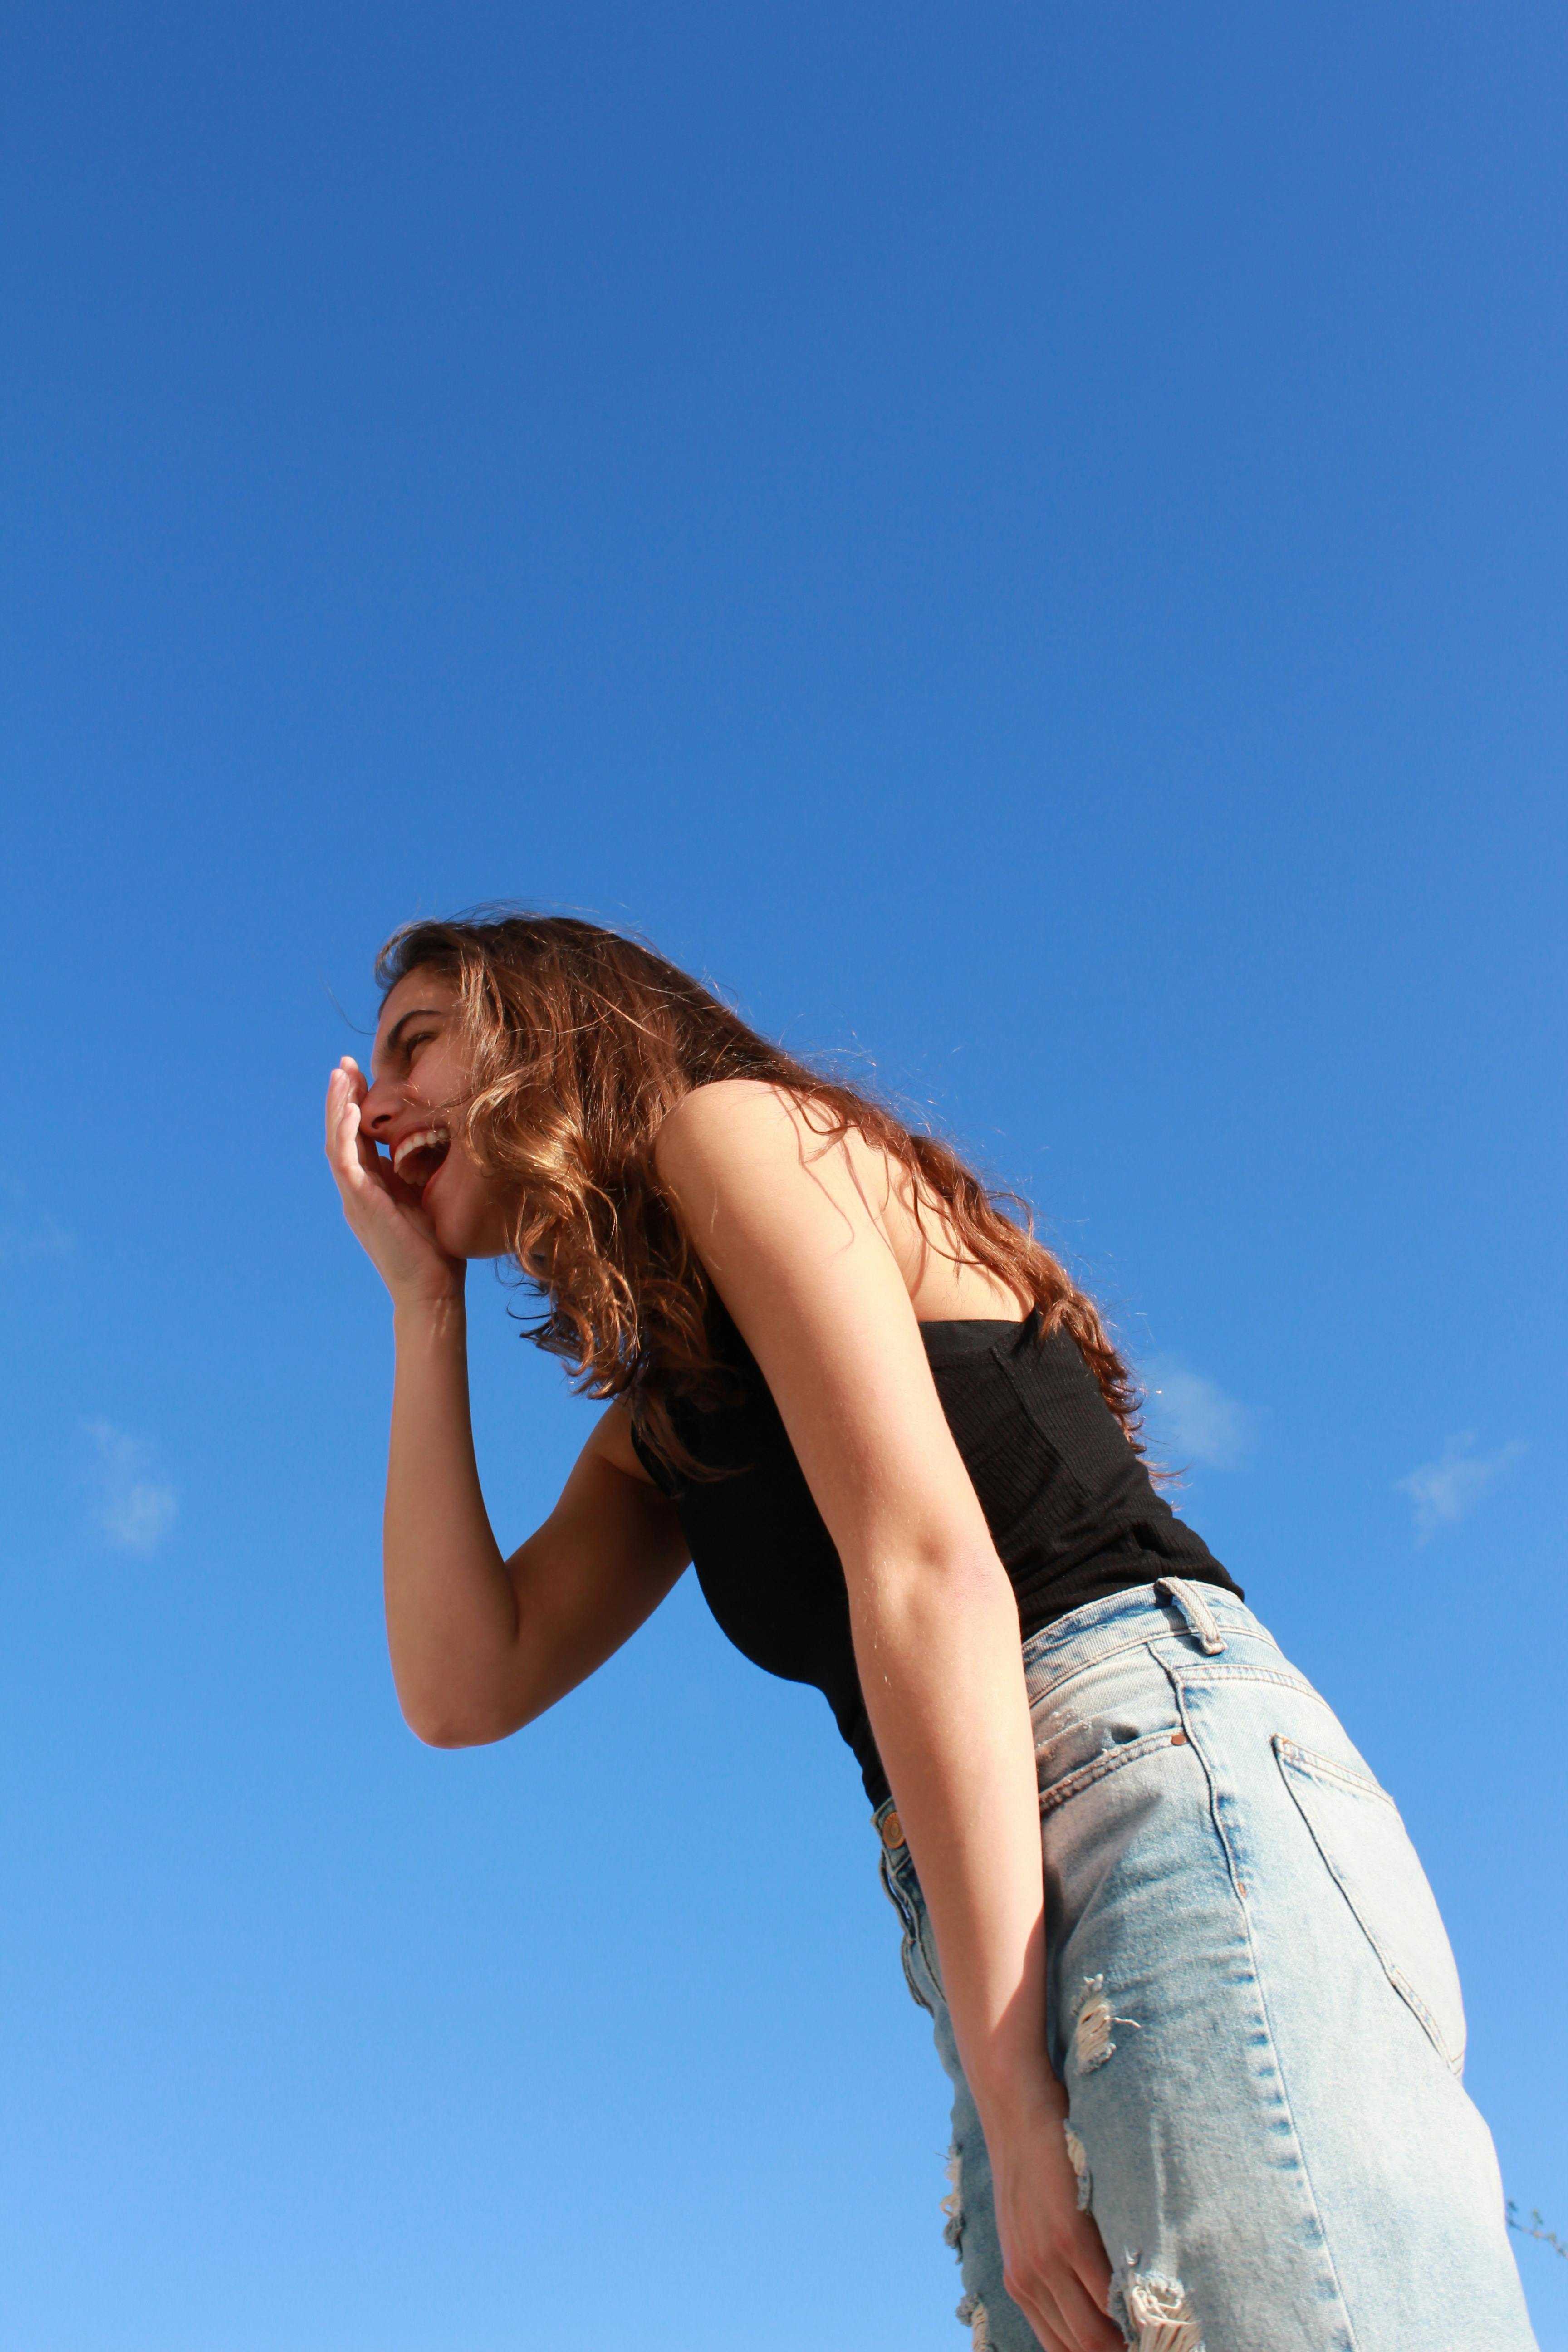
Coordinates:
<point>918,1940</point>
<point>1168,1648</point>
<point>1349,2339</point>
<point>1077,1657</point>
<point>1325,1768</point>
<point>1207,1674</point>
<point>1079,1646</point>
<point>898,1897</point>
<point>1099,1767</point>
<point>1189,1671</point>
<point>925,1940</point>
<point>1290,1754</point>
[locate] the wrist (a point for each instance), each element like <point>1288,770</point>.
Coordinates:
<point>1023,2096</point>
<point>430,1315</point>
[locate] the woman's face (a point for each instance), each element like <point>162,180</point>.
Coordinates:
<point>419,1072</point>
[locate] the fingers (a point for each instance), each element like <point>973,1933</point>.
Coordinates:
<point>339,1092</point>
<point>1089,2326</point>
<point>347,1083</point>
<point>1052,2248</point>
<point>1064,2300</point>
<point>1058,2333</point>
<point>1078,2291</point>
<point>351,1154</point>
<point>1051,2339</point>
<point>369,1154</point>
<point>1088,2284</point>
<point>342,1120</point>
<point>1044,2316</point>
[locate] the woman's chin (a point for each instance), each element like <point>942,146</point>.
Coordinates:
<point>464,1237</point>
<point>451,1239</point>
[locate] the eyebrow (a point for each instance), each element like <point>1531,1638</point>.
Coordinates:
<point>414,1013</point>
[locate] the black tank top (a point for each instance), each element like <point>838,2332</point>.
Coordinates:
<point>1069,1506</point>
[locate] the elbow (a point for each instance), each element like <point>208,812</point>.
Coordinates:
<point>952,1570</point>
<point>921,1585</point>
<point>442,1721</point>
<point>435,1730</point>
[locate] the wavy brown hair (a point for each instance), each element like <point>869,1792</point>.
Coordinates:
<point>581,1043</point>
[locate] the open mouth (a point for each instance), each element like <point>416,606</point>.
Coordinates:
<point>417,1157</point>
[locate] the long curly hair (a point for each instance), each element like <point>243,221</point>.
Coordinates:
<point>581,1041</point>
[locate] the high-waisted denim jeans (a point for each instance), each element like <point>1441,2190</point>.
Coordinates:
<point>1252,2005</point>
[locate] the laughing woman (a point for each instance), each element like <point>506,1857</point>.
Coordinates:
<point>1197,2005</point>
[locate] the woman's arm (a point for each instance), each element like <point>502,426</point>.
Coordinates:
<point>481,1644</point>
<point>792,1233</point>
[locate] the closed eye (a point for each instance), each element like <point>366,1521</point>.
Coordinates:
<point>399,1048</point>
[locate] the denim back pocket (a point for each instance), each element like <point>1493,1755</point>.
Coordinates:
<point>1129,1747</point>
<point>1356,1828</point>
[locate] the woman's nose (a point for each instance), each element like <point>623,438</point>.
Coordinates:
<point>378,1110</point>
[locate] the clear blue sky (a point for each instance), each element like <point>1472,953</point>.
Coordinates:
<point>1028,543</point>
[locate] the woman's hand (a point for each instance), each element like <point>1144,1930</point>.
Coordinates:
<point>1054,2259</point>
<point>387,1221</point>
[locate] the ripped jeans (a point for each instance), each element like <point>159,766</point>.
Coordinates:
<point>1252,2005</point>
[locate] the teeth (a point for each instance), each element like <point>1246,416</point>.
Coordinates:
<point>427,1138</point>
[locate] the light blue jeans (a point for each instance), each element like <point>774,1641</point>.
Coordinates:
<point>1252,2005</point>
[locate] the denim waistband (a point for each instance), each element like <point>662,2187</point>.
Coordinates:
<point>1205,1613</point>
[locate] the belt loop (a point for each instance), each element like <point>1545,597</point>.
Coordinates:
<point>1195,1610</point>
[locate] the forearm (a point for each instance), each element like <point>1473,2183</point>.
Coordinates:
<point>943,1680</point>
<point>451,1611</point>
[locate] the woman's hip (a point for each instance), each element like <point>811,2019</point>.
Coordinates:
<point>1201,1806</point>
<point>1253,2003</point>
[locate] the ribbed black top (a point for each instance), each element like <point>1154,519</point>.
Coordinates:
<point>1069,1506</point>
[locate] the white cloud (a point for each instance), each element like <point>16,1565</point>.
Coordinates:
<point>1192,1420</point>
<point>1441,1492</point>
<point>135,1509</point>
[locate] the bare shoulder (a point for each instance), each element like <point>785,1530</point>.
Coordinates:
<point>731,1123</point>
<point>768,1188</point>
<point>724,1105</point>
<point>747,1162</point>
